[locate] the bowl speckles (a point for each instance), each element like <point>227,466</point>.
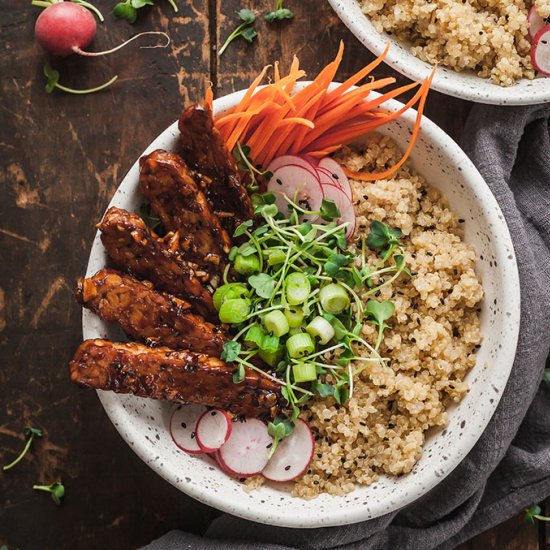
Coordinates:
<point>143,423</point>
<point>464,85</point>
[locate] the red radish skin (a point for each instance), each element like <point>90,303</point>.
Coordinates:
<point>536,22</point>
<point>292,456</point>
<point>292,160</point>
<point>183,425</point>
<point>246,452</point>
<point>297,184</point>
<point>63,27</point>
<point>213,430</point>
<point>540,51</point>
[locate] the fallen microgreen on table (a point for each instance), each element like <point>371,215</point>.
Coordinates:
<point>128,9</point>
<point>52,77</point>
<point>56,490</point>
<point>30,433</point>
<point>280,13</point>
<point>243,30</point>
<point>533,513</point>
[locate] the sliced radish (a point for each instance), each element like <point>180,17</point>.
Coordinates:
<point>299,185</point>
<point>292,456</point>
<point>536,22</point>
<point>337,175</point>
<point>183,426</point>
<point>213,430</point>
<point>246,452</point>
<point>347,212</point>
<point>540,51</point>
<point>292,160</point>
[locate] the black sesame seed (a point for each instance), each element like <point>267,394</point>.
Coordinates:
<point>184,425</point>
<point>287,468</point>
<point>192,435</point>
<point>213,413</point>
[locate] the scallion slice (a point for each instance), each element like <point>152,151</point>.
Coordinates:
<point>297,288</point>
<point>322,329</point>
<point>300,345</point>
<point>294,316</point>
<point>234,311</point>
<point>334,298</point>
<point>275,256</point>
<point>304,372</point>
<point>246,265</point>
<point>276,323</point>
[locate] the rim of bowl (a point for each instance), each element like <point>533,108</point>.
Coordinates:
<point>288,517</point>
<point>463,85</point>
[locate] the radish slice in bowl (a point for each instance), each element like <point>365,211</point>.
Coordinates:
<point>344,204</point>
<point>536,22</point>
<point>246,452</point>
<point>336,175</point>
<point>183,426</point>
<point>292,160</point>
<point>540,51</point>
<point>213,430</point>
<point>292,456</point>
<point>299,185</point>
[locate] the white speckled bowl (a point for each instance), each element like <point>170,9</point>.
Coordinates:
<point>143,422</point>
<point>464,85</point>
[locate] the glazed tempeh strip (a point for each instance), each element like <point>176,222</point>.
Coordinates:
<point>179,376</point>
<point>134,248</point>
<point>155,318</point>
<point>169,187</point>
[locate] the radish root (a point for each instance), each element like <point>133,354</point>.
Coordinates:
<point>77,50</point>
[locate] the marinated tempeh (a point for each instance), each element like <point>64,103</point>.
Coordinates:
<point>169,187</point>
<point>179,376</point>
<point>155,318</point>
<point>203,149</point>
<point>133,247</point>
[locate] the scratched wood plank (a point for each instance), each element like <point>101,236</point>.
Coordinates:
<point>62,158</point>
<point>313,35</point>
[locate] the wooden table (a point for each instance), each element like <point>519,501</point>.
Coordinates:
<point>62,158</point>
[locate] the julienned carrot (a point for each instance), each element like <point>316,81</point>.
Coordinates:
<point>273,121</point>
<point>387,173</point>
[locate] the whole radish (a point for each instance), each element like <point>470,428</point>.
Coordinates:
<point>64,28</point>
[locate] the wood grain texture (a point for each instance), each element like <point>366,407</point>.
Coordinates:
<point>62,158</point>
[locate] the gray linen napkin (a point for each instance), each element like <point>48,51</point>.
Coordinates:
<point>509,468</point>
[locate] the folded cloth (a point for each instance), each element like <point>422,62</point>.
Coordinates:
<point>509,468</point>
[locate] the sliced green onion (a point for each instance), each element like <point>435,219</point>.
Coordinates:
<point>300,345</point>
<point>229,292</point>
<point>304,372</point>
<point>295,330</point>
<point>334,298</point>
<point>322,329</point>
<point>276,323</point>
<point>254,336</point>
<point>234,311</point>
<point>246,265</point>
<point>294,316</point>
<point>297,288</point>
<point>271,358</point>
<point>274,256</point>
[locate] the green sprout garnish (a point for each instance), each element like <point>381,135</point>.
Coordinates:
<point>244,30</point>
<point>279,14</point>
<point>56,490</point>
<point>31,433</point>
<point>245,165</point>
<point>534,512</point>
<point>53,82</point>
<point>129,8</point>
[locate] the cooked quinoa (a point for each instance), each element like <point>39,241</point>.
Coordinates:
<point>490,37</point>
<point>431,345</point>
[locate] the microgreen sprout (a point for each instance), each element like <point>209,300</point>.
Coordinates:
<point>52,77</point>
<point>151,219</point>
<point>278,430</point>
<point>129,8</point>
<point>279,13</point>
<point>56,490</point>
<point>378,313</point>
<point>534,512</point>
<point>30,433</point>
<point>243,30</point>
<point>245,165</point>
<point>83,3</point>
<point>547,376</point>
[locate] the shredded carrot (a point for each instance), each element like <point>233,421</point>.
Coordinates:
<point>209,96</point>
<point>319,117</point>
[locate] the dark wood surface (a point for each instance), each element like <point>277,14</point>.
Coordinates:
<point>62,158</point>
